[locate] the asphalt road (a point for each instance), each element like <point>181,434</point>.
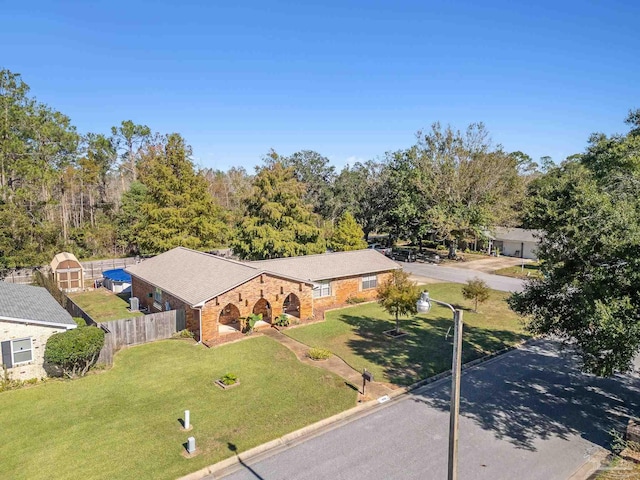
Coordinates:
<point>527,415</point>
<point>461,275</point>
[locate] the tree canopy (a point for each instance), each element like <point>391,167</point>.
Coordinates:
<point>347,235</point>
<point>589,209</point>
<point>277,223</point>
<point>398,296</point>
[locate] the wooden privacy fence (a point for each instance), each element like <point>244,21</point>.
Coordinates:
<point>138,330</point>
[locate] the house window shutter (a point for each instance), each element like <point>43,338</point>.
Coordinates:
<point>6,354</point>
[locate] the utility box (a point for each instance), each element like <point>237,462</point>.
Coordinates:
<point>134,304</point>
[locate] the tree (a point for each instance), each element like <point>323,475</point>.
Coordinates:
<point>398,296</point>
<point>589,209</point>
<point>317,174</point>
<point>177,209</point>
<point>74,351</point>
<point>129,138</point>
<point>347,235</point>
<point>477,290</point>
<point>277,223</point>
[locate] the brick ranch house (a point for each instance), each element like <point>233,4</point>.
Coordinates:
<point>216,292</point>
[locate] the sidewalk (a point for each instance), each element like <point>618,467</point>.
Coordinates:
<point>334,364</point>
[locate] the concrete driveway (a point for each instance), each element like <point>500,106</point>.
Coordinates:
<point>529,415</point>
<point>462,275</point>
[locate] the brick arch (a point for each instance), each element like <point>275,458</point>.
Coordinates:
<point>230,315</point>
<point>291,305</point>
<point>264,307</point>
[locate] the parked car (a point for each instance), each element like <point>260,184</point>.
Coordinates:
<point>428,257</point>
<point>403,254</point>
<point>379,248</point>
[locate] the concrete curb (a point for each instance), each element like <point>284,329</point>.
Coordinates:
<point>591,465</point>
<point>334,421</point>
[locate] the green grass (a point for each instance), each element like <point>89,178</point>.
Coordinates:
<point>103,305</point>
<point>530,270</point>
<point>123,423</point>
<point>356,335</point>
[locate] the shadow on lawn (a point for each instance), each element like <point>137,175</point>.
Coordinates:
<point>425,351</point>
<point>539,393</point>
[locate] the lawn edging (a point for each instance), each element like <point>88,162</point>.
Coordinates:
<point>334,421</point>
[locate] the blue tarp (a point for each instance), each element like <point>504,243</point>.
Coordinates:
<point>117,275</point>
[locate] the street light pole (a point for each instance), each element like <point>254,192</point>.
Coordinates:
<point>424,305</point>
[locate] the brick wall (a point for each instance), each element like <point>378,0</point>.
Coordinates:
<point>144,292</point>
<point>244,297</point>
<point>348,287</point>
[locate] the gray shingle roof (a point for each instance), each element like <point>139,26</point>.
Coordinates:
<point>192,276</point>
<point>327,266</point>
<point>28,303</point>
<point>516,234</point>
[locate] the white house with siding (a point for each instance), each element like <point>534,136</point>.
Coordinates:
<point>515,242</point>
<point>28,317</point>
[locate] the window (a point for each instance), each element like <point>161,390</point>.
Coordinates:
<point>21,350</point>
<point>370,281</point>
<point>157,295</point>
<point>322,289</point>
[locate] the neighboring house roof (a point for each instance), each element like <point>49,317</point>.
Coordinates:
<point>327,266</point>
<point>61,257</point>
<point>28,304</point>
<point>117,275</point>
<point>517,234</point>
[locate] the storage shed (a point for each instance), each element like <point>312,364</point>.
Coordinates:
<point>117,280</point>
<point>68,272</point>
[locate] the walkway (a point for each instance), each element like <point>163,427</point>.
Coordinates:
<point>334,364</point>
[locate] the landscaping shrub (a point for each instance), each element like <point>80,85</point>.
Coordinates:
<point>282,320</point>
<point>247,324</point>
<point>74,351</point>
<point>356,300</point>
<point>229,379</point>
<point>81,322</point>
<point>183,334</point>
<point>316,353</point>
<point>441,248</point>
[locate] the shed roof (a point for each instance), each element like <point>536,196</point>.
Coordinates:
<point>61,257</point>
<point>28,304</point>
<point>193,276</point>
<point>327,266</point>
<point>516,234</point>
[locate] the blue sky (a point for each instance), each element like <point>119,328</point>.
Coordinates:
<point>348,79</point>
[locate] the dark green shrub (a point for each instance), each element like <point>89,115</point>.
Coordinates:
<point>282,320</point>
<point>74,351</point>
<point>229,379</point>
<point>81,322</point>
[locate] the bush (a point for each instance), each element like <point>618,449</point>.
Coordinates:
<point>183,334</point>
<point>316,353</point>
<point>355,300</point>
<point>81,322</point>
<point>74,351</point>
<point>229,379</point>
<point>282,320</point>
<point>247,324</point>
<point>441,248</point>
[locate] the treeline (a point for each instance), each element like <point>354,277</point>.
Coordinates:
<point>129,191</point>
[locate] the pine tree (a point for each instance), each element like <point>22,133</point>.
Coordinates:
<point>277,223</point>
<point>347,235</point>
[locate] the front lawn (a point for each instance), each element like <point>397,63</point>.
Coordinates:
<point>124,423</point>
<point>356,335</point>
<point>529,270</point>
<point>103,305</point>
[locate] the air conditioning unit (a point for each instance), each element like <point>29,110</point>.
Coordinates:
<point>134,304</point>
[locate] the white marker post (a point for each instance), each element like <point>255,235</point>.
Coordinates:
<point>187,423</point>
<point>191,445</point>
